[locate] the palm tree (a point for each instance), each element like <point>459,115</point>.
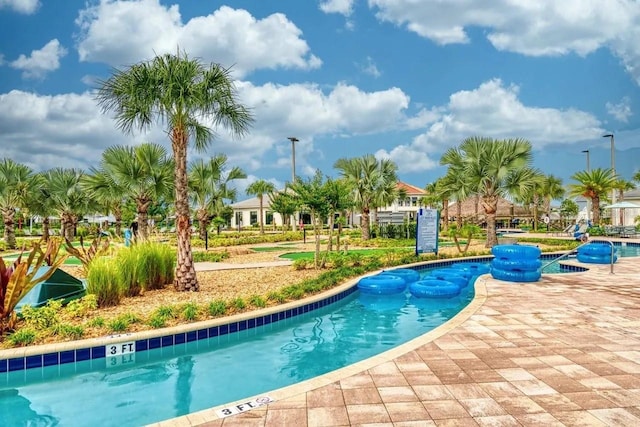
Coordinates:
<point>552,189</point>
<point>284,204</point>
<point>186,96</point>
<point>367,177</point>
<point>17,183</point>
<point>259,188</point>
<point>209,187</point>
<point>623,185</point>
<point>594,185</point>
<point>338,196</point>
<point>141,173</point>
<point>70,200</point>
<point>41,204</point>
<point>494,169</point>
<point>103,186</point>
<point>311,194</point>
<point>439,192</point>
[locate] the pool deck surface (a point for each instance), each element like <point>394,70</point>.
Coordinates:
<point>564,351</point>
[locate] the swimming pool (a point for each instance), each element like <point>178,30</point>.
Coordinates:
<point>158,384</point>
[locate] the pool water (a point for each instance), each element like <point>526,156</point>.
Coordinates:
<point>163,383</point>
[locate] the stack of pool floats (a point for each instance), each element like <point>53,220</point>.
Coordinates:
<point>597,253</point>
<point>516,263</point>
<point>438,283</point>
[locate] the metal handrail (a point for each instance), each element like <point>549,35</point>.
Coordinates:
<point>566,255</point>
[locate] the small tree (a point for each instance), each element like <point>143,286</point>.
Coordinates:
<point>259,189</point>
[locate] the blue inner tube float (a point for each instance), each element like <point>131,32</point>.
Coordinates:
<point>516,275</point>
<point>407,274</point>
<point>531,264</point>
<point>476,268</point>
<point>434,288</point>
<point>596,249</point>
<point>597,259</point>
<point>460,272</point>
<point>516,251</point>
<point>382,284</point>
<point>450,275</point>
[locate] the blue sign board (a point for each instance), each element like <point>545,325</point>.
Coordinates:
<point>428,221</point>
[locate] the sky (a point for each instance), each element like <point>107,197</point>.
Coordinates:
<point>400,79</point>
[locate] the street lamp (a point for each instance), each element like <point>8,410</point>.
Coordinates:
<point>613,169</point>
<point>293,140</point>
<point>588,200</point>
<point>587,152</point>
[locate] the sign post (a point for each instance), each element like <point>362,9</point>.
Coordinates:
<point>428,221</point>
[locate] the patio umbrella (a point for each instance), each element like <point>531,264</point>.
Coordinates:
<point>622,206</point>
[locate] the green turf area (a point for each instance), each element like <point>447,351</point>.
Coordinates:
<point>309,255</point>
<point>69,261</point>
<point>268,249</point>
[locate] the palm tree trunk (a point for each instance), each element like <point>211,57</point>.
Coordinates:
<point>203,223</point>
<point>8,216</point>
<point>490,205</point>
<point>186,279</point>
<point>364,224</point>
<point>445,211</point>
<point>45,228</point>
<point>261,216</point>
<point>459,214</point>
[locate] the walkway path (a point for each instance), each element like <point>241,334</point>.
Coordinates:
<point>564,351</point>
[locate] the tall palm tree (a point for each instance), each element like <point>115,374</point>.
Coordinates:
<point>70,200</point>
<point>621,186</point>
<point>209,187</point>
<point>142,173</point>
<point>440,192</point>
<point>259,188</point>
<point>187,97</point>
<point>367,177</point>
<point>17,182</point>
<point>338,196</point>
<point>594,185</point>
<point>494,169</point>
<point>41,204</point>
<point>104,187</point>
<point>551,189</point>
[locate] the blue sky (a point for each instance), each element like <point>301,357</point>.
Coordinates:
<point>396,78</point>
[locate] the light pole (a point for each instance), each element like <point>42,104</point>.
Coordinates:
<point>613,169</point>
<point>587,152</point>
<point>293,140</point>
<point>588,200</point>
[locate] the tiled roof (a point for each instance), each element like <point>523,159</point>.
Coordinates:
<point>410,189</point>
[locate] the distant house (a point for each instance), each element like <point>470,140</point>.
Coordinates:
<point>246,213</point>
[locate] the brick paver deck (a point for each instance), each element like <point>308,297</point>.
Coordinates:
<point>564,351</point>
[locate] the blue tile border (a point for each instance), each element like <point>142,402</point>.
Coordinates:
<point>99,352</point>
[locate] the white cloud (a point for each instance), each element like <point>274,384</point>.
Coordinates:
<point>621,111</point>
<point>371,68</point>
<point>21,6</point>
<point>42,61</point>
<point>491,110</point>
<point>343,7</point>
<point>122,33</point>
<point>536,28</point>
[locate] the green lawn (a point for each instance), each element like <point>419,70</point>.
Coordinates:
<point>309,255</point>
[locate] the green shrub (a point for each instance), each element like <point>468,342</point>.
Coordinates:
<point>43,317</point>
<point>122,322</point>
<point>23,337</point>
<point>104,281</point>
<point>238,304</point>
<point>301,264</point>
<point>157,321</point>
<point>203,256</point>
<point>278,297</point>
<point>96,322</point>
<point>190,312</point>
<point>217,308</point>
<point>73,332</point>
<point>257,301</point>
<point>166,311</point>
<point>79,308</point>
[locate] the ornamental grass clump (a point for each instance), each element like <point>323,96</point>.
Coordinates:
<point>105,282</point>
